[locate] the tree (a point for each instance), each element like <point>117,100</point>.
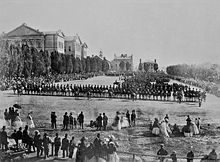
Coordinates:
<point>155,67</point>
<point>27,58</point>
<point>88,65</point>
<point>69,64</point>
<point>105,65</point>
<point>140,66</point>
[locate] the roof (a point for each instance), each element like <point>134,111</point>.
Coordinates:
<point>23,30</point>
<point>59,32</point>
<point>73,38</point>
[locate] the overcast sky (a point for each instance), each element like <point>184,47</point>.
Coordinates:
<point>171,31</point>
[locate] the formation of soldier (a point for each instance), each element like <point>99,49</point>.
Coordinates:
<point>127,90</point>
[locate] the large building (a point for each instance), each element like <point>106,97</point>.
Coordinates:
<point>47,41</point>
<point>122,63</point>
<point>74,46</point>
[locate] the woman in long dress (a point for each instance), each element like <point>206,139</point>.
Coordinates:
<point>163,129</point>
<point>156,127</point>
<point>117,122</point>
<point>30,121</point>
<point>194,128</point>
<point>18,123</point>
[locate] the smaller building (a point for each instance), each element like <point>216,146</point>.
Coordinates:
<point>122,63</point>
<point>148,66</point>
<point>75,47</point>
<point>54,41</point>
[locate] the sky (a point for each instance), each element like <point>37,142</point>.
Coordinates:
<point>170,31</point>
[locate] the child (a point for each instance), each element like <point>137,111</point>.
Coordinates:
<point>75,122</point>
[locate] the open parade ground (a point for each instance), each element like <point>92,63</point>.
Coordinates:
<point>135,139</point>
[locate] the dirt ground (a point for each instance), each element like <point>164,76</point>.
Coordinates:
<point>136,139</point>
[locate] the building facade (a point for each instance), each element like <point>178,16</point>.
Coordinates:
<point>54,41</point>
<point>75,47</point>
<point>26,35</point>
<point>47,41</point>
<point>122,63</point>
<point>148,66</point>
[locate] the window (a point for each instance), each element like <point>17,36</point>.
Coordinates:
<point>61,45</point>
<point>69,48</point>
<point>38,44</point>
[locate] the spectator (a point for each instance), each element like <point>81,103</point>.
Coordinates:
<point>46,142</point>
<point>71,121</point>
<point>190,155</point>
<point>81,119</point>
<point>65,146</point>
<point>99,122</point>
<point>162,152</point>
<point>133,117</point>
<point>72,146</point>
<point>75,123</point>
<point>57,144</point>
<point>173,156</point>
<point>105,121</point>
<point>128,118</point>
<point>53,120</point>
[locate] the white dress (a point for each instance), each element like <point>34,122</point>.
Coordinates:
<point>18,123</point>
<point>113,157</point>
<point>163,128</point>
<point>117,126</point>
<point>124,122</point>
<point>30,122</point>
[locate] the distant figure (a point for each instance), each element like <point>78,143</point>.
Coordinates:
<point>75,123</point>
<point>65,121</point>
<point>71,121</point>
<point>4,139</point>
<point>53,120</point>
<point>173,156</point>
<point>105,121</point>
<point>190,156</point>
<point>188,121</point>
<point>30,121</point>
<point>162,152</point>
<point>72,147</point>
<point>156,127</point>
<point>133,118</point>
<point>57,144</point>
<point>128,116</point>
<point>212,155</point>
<point>81,119</point>
<point>46,142</point>
<point>65,146</point>
<point>99,122</point>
